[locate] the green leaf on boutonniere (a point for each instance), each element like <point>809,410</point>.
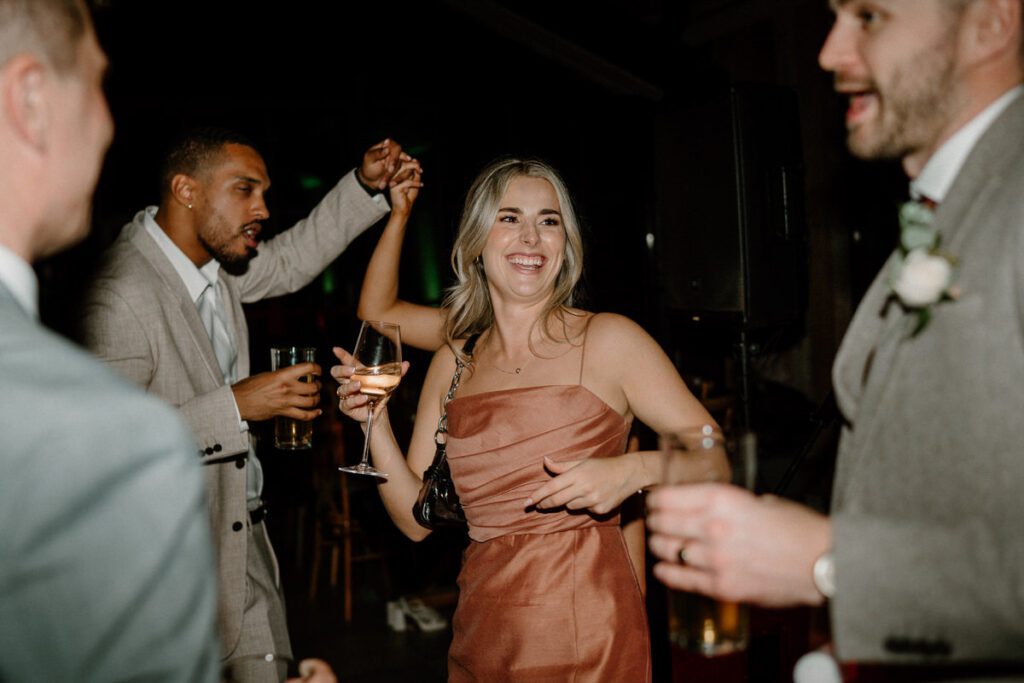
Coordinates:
<point>916,227</point>
<point>924,316</point>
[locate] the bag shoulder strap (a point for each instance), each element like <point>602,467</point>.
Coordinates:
<point>442,422</point>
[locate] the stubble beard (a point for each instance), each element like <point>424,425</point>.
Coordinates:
<point>233,264</point>
<point>913,107</point>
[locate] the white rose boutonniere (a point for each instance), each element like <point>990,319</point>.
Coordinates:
<point>923,279</point>
<point>922,276</point>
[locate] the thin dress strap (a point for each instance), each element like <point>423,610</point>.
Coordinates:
<point>583,351</point>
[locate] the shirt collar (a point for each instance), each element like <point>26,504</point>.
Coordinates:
<point>17,275</point>
<point>938,174</point>
<point>196,279</point>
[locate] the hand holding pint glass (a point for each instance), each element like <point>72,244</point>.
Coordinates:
<point>699,623</point>
<point>289,433</point>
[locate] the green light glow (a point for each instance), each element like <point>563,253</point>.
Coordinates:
<point>310,182</point>
<point>430,282</point>
<point>327,281</point>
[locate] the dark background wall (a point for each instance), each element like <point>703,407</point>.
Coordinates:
<point>589,86</point>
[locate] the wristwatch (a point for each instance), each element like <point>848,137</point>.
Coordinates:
<point>825,575</point>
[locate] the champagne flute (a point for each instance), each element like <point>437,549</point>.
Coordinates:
<point>378,359</point>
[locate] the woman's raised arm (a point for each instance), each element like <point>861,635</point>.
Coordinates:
<point>422,326</point>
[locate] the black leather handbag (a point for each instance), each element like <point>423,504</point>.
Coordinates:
<point>438,504</point>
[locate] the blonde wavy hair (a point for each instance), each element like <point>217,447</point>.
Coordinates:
<point>469,301</point>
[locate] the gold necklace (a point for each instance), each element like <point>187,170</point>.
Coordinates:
<point>516,371</point>
<point>510,372</point>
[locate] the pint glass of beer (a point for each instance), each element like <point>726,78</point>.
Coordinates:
<point>290,434</point>
<point>698,623</point>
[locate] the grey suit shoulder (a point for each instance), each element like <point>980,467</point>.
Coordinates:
<point>106,555</point>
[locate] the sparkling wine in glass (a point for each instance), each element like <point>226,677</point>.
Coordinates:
<point>378,359</point>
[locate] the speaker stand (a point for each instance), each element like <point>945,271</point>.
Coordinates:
<point>744,349</point>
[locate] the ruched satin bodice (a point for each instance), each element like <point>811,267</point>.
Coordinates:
<point>544,595</point>
<point>497,442</point>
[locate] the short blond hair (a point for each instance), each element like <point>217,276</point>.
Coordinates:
<point>51,29</point>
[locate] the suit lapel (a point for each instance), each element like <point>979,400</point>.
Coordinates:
<point>872,318</point>
<point>174,288</point>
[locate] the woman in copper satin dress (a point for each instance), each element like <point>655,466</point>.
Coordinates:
<point>536,438</point>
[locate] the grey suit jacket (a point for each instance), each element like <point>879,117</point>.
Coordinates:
<point>105,552</point>
<point>928,505</point>
<point>139,318</point>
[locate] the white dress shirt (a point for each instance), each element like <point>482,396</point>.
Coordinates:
<point>17,276</point>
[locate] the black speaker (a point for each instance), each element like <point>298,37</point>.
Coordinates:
<point>731,239</point>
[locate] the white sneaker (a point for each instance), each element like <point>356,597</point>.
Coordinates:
<point>396,617</point>
<point>427,618</point>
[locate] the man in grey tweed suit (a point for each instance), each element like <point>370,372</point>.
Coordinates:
<point>922,559</point>
<point>105,552</point>
<point>143,318</point>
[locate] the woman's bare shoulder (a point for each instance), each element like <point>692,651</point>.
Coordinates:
<point>611,337</point>
<point>611,327</point>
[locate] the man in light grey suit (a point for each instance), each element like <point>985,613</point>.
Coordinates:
<point>166,311</point>
<point>922,559</point>
<point>105,552</point>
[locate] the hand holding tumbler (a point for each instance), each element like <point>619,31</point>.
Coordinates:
<point>698,623</point>
<point>291,434</point>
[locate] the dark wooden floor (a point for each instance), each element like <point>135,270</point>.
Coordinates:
<point>366,650</point>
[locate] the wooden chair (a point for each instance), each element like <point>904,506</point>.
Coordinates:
<point>334,528</point>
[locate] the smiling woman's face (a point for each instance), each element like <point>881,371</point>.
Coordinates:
<point>526,244</point>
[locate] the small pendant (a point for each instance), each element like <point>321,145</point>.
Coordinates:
<point>518,370</point>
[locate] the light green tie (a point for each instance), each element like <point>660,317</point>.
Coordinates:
<point>223,342</point>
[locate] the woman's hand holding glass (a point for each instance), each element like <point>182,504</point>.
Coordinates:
<point>378,370</point>
<point>352,403</point>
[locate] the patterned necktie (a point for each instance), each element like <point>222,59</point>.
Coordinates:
<point>212,315</point>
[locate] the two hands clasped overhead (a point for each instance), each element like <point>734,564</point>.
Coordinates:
<point>294,391</point>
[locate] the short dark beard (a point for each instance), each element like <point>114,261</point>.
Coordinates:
<point>229,263</point>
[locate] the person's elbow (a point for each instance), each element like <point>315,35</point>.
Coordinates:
<point>366,310</point>
<point>415,532</point>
